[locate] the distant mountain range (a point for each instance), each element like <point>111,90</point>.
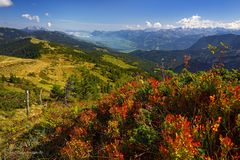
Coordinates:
<point>8,35</point>
<point>201,57</point>
<point>164,39</point>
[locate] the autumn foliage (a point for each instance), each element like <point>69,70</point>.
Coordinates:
<point>189,116</point>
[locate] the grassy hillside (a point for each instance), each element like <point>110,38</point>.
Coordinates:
<point>48,68</point>
<point>55,62</point>
<point>58,64</point>
<point>116,61</point>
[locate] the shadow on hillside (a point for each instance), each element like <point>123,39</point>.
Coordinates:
<point>50,145</point>
<point>40,142</point>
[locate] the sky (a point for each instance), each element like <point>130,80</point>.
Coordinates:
<point>92,15</point>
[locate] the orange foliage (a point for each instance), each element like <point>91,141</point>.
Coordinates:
<point>76,149</point>
<point>226,145</point>
<point>112,151</point>
<point>179,137</point>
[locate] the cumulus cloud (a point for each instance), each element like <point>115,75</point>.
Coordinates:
<point>31,18</point>
<point>157,25</point>
<point>5,3</point>
<point>149,24</point>
<point>49,24</point>
<point>194,21</point>
<point>197,22</point>
<point>47,14</point>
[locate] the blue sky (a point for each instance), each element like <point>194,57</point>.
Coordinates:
<point>120,14</point>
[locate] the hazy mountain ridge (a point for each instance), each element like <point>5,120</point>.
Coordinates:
<point>9,34</point>
<point>163,39</point>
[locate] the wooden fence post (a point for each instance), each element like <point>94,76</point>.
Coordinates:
<point>27,102</point>
<point>40,97</point>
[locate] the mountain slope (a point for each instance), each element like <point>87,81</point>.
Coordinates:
<point>229,39</point>
<point>18,43</point>
<point>54,63</point>
<point>9,35</point>
<point>62,38</point>
<point>201,57</point>
<point>25,48</point>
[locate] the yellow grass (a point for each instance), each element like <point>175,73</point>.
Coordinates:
<point>50,68</point>
<point>116,61</point>
<point>46,44</point>
<point>12,127</point>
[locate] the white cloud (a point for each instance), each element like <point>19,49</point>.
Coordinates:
<point>197,22</point>
<point>233,25</point>
<point>169,26</point>
<point>49,24</point>
<point>149,24</point>
<point>157,25</point>
<point>194,21</point>
<point>5,3</point>
<point>31,18</point>
<point>47,14</point>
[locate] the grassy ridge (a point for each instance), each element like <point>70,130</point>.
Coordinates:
<point>90,75</point>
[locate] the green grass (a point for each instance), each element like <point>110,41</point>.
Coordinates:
<point>55,65</point>
<point>116,61</point>
<point>46,44</point>
<point>15,125</point>
<point>42,68</point>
